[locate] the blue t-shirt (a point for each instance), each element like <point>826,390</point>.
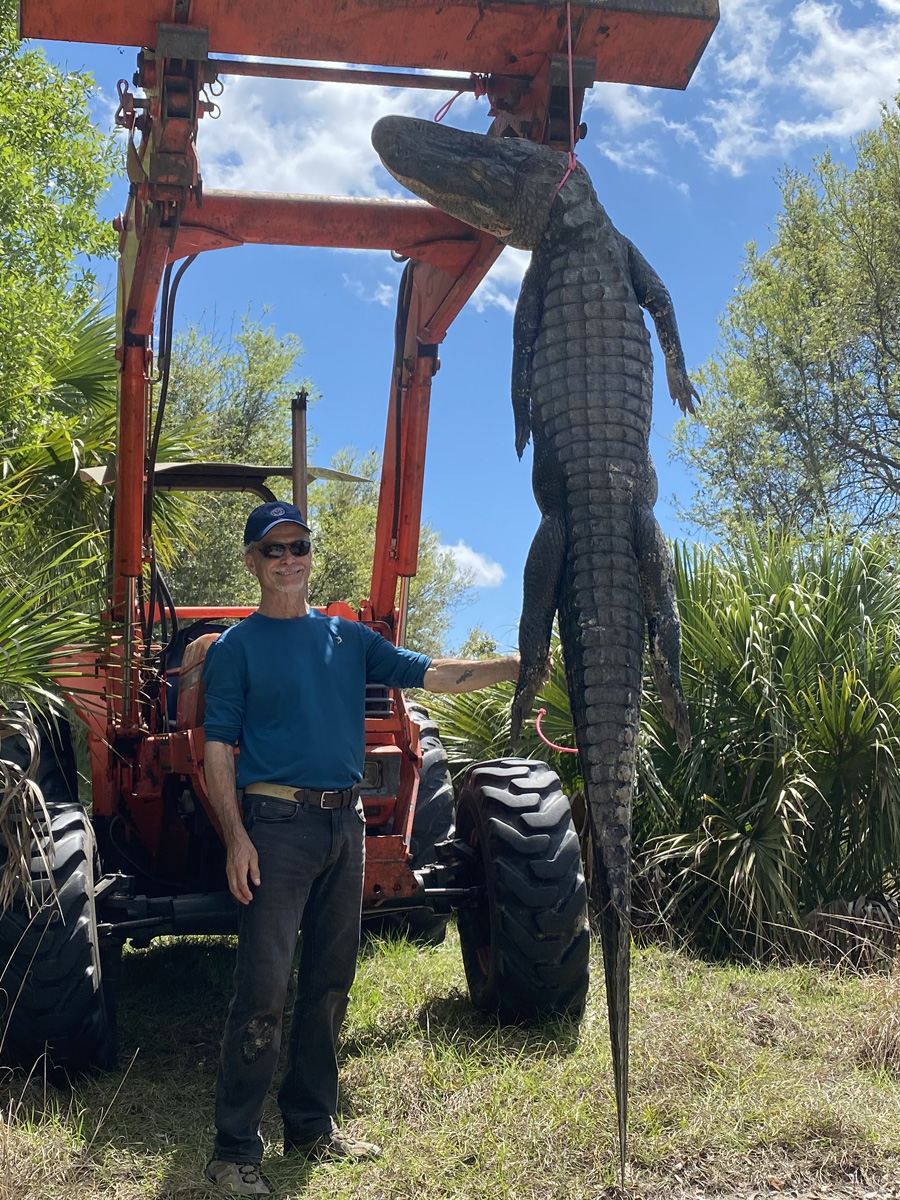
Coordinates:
<point>291,692</point>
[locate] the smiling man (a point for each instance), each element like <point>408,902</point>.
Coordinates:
<point>287,685</point>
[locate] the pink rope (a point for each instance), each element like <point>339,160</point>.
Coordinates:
<point>542,712</point>
<point>480,83</point>
<point>573,159</point>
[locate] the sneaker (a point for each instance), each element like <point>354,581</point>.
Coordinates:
<point>239,1178</point>
<point>333,1145</point>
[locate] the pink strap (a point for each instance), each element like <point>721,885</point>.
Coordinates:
<point>573,163</point>
<point>553,746</point>
<point>480,83</point>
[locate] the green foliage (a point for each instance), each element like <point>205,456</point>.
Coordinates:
<point>237,387</point>
<point>800,411</point>
<point>240,385</point>
<point>789,797</point>
<point>240,382</point>
<point>38,617</point>
<point>42,488</point>
<point>53,167</point>
<point>343,518</point>
<point>479,644</point>
<point>790,794</point>
<point>54,525</point>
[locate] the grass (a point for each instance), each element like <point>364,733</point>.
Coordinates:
<point>743,1081</point>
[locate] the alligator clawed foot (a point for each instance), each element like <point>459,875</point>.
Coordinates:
<point>681,389</point>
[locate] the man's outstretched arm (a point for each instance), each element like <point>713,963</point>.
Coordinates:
<point>469,674</point>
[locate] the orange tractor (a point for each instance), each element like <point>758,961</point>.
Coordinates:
<point>502,854</point>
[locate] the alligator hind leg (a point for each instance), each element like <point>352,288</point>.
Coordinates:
<point>663,628</point>
<point>543,570</point>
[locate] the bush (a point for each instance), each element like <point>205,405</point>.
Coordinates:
<point>789,798</point>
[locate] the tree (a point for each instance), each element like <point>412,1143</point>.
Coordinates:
<point>42,492</point>
<point>343,517</point>
<point>479,644</point>
<point>240,385</point>
<point>801,415</point>
<point>237,386</point>
<point>54,165</point>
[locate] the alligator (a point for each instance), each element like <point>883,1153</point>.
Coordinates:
<point>582,389</point>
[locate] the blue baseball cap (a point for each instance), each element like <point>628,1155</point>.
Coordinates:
<point>267,516</point>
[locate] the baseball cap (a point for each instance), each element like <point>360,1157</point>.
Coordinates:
<point>266,516</point>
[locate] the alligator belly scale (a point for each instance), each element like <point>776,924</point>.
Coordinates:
<point>582,390</point>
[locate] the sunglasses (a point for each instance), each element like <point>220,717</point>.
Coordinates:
<point>279,549</point>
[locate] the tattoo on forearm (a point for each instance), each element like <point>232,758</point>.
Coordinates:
<point>465,675</point>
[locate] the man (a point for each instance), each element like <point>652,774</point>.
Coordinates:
<point>288,685</point>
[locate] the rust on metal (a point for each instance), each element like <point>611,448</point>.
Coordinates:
<point>651,42</point>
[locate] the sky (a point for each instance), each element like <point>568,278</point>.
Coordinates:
<point>689,177</point>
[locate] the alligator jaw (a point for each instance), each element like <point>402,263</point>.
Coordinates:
<point>486,182</point>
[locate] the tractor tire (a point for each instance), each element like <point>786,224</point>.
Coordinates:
<point>525,941</point>
<point>51,994</point>
<point>432,823</point>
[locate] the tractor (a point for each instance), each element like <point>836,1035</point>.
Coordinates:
<point>501,854</point>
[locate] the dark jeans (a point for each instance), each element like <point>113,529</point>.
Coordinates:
<point>311,863</point>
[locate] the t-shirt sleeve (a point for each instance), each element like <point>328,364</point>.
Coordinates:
<point>390,665</point>
<point>225,690</point>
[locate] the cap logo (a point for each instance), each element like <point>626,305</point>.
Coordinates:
<point>278,512</point>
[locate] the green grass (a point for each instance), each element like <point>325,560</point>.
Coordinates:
<point>739,1076</point>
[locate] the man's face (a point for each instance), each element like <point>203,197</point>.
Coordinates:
<point>285,574</point>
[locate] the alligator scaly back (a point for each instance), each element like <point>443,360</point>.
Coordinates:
<point>582,392</point>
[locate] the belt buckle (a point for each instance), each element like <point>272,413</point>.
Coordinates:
<point>332,799</point>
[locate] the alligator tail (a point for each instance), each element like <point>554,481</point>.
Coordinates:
<point>602,626</point>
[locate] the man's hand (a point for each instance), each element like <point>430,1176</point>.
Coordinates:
<point>242,864</point>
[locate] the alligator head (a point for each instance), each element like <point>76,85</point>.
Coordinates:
<point>505,186</point>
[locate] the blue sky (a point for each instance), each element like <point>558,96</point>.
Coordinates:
<point>688,176</point>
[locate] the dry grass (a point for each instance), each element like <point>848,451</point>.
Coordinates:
<point>743,1082</point>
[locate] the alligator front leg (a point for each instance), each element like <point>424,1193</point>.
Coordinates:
<point>653,295</point>
<point>543,571</point>
<point>661,614</point>
<point>543,576</point>
<point>525,329</point>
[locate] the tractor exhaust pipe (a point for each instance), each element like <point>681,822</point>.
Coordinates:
<point>298,450</point>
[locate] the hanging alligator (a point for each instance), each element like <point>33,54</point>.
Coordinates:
<point>582,389</point>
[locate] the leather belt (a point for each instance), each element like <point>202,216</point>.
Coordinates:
<point>314,796</point>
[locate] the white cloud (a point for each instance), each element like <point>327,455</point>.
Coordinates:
<point>642,158</point>
<point>747,38</point>
<point>383,293</point>
<point>483,571</point>
<point>846,73</point>
<point>739,132</point>
<point>500,287</point>
<point>628,106</point>
<point>309,138</point>
<point>775,76</point>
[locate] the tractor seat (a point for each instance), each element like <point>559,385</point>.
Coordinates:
<point>175,666</point>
